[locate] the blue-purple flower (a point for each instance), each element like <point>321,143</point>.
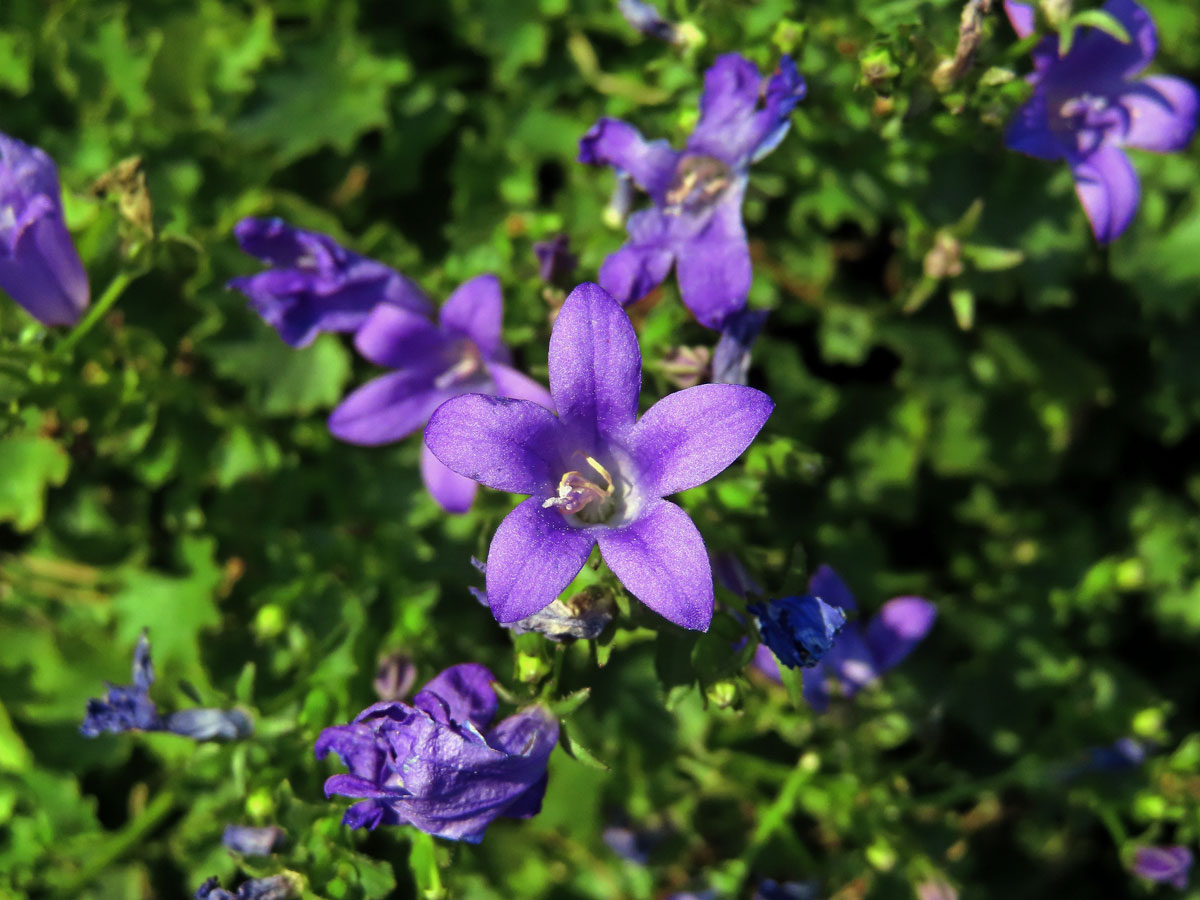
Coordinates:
<point>1087,106</point>
<point>461,353</point>
<point>695,223</point>
<point>859,655</point>
<point>1167,865</point>
<point>595,473</point>
<point>129,708</point>
<point>39,265</point>
<point>315,284</point>
<point>251,841</point>
<point>439,765</point>
<point>800,631</point>
<point>644,17</point>
<point>273,887</point>
<point>126,708</point>
<point>731,356</point>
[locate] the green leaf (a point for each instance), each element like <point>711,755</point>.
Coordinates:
<point>564,706</point>
<point>285,382</point>
<point>332,93</point>
<point>30,464</point>
<point>576,750</point>
<point>422,861</point>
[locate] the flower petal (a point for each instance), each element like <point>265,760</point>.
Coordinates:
<point>897,628</point>
<point>714,269</point>
<point>386,409</point>
<point>452,492</point>
<point>1162,113</point>
<point>731,356</point>
<point>643,263</point>
<point>828,585</point>
<point>1108,189</point>
<point>595,365</point>
<point>1022,17</point>
<point>476,310</point>
<point>1029,131</point>
<point>611,142</point>
<point>517,385</point>
<point>688,437</point>
<point>1100,54</point>
<point>661,559</point>
<point>533,556</point>
<point>465,692</point>
<point>509,445</point>
<point>732,127</point>
<point>398,338</point>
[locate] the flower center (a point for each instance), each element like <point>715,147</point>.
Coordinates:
<point>580,496</point>
<point>697,184</point>
<point>467,363</point>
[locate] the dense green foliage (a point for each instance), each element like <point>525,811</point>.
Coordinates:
<point>1006,426</point>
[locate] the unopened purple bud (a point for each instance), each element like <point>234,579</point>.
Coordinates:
<point>936,889</point>
<point>769,889</point>
<point>646,19</point>
<point>39,265</point>
<point>799,630</point>
<point>395,676</point>
<point>210,724</point>
<point>731,356</point>
<point>251,841</point>
<point>556,262</point>
<point>1168,865</point>
<point>687,367</point>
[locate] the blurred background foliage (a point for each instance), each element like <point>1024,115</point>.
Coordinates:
<point>975,403</point>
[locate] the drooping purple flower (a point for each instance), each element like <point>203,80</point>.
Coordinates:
<point>556,262</point>
<point>695,223</point>
<point>583,616</point>
<point>731,356</point>
<point>859,655</point>
<point>1167,865</point>
<point>461,353</point>
<point>131,709</point>
<point>316,284</point>
<point>595,473</point>
<point>439,765</point>
<point>39,265</point>
<point>644,17</point>
<point>1087,106</point>
<point>800,631</point>
<point>273,887</point>
<point>251,841</point>
<point>395,676</point>
<point>126,708</point>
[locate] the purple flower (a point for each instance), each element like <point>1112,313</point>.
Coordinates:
<point>1170,865</point>
<point>131,709</point>
<point>39,265</point>
<point>696,221</point>
<point>461,353</point>
<point>649,21</point>
<point>595,473</point>
<point>769,889</point>
<point>800,630</point>
<point>437,765</point>
<point>316,284</point>
<point>126,708</point>
<point>251,841</point>
<point>395,676</point>
<point>859,655</point>
<point>1087,106</point>
<point>556,262</point>
<point>731,356</point>
<point>274,887</point>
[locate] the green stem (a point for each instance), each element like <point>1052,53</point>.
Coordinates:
<point>121,843</point>
<point>114,290</point>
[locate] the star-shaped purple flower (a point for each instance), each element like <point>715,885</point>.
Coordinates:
<point>39,265</point>
<point>439,765</point>
<point>461,353</point>
<point>1086,107</point>
<point>1167,865</point>
<point>316,284</point>
<point>696,221</point>
<point>859,655</point>
<point>595,473</point>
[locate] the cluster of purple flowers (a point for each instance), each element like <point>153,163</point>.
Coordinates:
<point>595,473</point>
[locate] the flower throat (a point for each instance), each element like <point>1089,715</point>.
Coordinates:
<point>582,497</point>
